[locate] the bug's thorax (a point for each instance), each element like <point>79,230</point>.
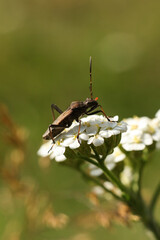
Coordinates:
<point>89,103</point>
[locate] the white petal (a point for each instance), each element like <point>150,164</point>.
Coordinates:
<point>75,144</point>
<point>92,130</point>
<point>112,124</point>
<point>90,140</point>
<point>74,130</point>
<point>156,136</point>
<point>84,136</point>
<point>68,141</point>
<point>120,157</point>
<point>60,158</point>
<point>115,118</point>
<point>147,139</point>
<point>97,141</point>
<point>57,151</point>
<point>106,133</point>
<point>122,127</point>
<point>44,149</point>
<point>115,131</point>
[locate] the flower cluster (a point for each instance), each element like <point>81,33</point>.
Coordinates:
<point>142,132</point>
<point>95,130</point>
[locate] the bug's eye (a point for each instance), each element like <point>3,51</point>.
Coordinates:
<point>96,98</point>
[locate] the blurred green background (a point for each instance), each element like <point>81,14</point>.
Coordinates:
<point>44,59</point>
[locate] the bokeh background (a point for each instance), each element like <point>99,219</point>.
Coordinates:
<point>44,58</point>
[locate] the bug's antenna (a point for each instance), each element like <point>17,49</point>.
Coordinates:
<point>90,74</point>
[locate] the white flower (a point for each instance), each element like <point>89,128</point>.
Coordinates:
<point>58,152</point>
<point>54,150</point>
<point>135,140</point>
<point>97,140</point>
<point>71,137</point>
<point>115,157</point>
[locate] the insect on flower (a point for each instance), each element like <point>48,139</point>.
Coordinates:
<point>73,112</point>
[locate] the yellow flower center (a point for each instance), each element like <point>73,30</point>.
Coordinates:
<point>135,126</point>
<point>151,129</point>
<point>117,154</point>
<point>136,139</point>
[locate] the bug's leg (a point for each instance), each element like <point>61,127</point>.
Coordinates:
<point>59,126</point>
<point>98,111</point>
<point>54,106</point>
<point>104,113</point>
<point>79,131</point>
<point>50,133</point>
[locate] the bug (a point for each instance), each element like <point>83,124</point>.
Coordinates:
<point>73,112</point>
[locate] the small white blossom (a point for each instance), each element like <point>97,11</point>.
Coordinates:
<point>71,139</point>
<point>135,140</point>
<point>58,152</point>
<point>54,150</point>
<point>115,157</point>
<point>97,140</point>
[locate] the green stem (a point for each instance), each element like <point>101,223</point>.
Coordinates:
<point>140,178</point>
<point>88,160</point>
<point>154,199</point>
<point>112,177</point>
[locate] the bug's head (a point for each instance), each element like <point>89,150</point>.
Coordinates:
<point>89,102</point>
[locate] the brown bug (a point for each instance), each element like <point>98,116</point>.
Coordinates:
<point>73,112</point>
